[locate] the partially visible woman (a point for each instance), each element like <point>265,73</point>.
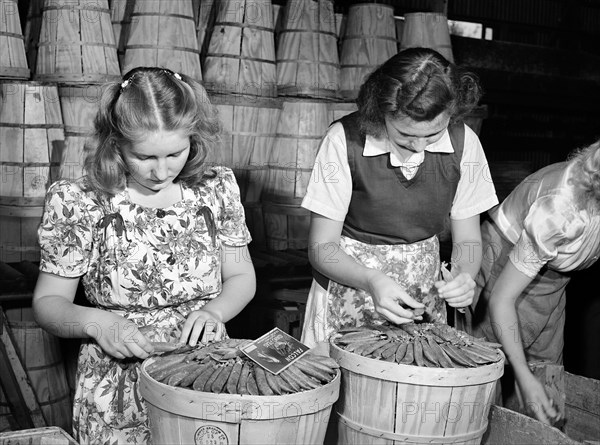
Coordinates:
<point>386,180</point>
<point>546,228</point>
<point>156,236</point>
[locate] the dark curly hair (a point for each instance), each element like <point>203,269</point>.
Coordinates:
<point>418,83</point>
<point>149,99</point>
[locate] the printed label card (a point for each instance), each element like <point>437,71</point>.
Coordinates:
<point>275,350</point>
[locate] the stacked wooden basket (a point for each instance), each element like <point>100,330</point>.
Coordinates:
<point>279,75</point>
<point>277,91</point>
<point>44,122</point>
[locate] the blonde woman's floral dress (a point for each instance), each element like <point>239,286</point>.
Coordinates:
<point>152,266</point>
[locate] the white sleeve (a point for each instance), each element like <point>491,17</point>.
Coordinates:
<point>475,192</point>
<point>330,188</point>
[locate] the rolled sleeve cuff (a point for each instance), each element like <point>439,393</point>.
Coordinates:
<point>477,209</point>
<point>47,266</point>
<point>528,264</point>
<point>320,208</point>
<point>237,242</point>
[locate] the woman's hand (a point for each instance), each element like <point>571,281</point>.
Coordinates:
<point>459,292</point>
<point>535,400</point>
<point>389,298</point>
<point>202,325</point>
<point>118,336</point>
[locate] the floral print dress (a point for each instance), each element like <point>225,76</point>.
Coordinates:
<point>152,266</point>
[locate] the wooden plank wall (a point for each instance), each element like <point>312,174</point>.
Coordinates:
<point>542,102</point>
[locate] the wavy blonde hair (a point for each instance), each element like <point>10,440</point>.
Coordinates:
<point>585,175</point>
<point>150,99</point>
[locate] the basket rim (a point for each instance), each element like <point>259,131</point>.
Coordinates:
<point>235,408</point>
<point>417,375</point>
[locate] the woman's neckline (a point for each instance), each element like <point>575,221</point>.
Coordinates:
<point>148,206</point>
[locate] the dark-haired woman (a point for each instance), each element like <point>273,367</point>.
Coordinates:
<point>385,181</point>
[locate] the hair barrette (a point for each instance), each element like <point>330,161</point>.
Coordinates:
<point>172,73</point>
<point>125,83</point>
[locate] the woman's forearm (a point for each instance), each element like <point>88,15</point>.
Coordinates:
<point>330,260</point>
<point>466,257</point>
<point>503,314</point>
<point>467,246</point>
<point>64,319</point>
<point>54,310</point>
<point>505,325</point>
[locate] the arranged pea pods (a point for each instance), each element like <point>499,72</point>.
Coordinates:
<point>221,367</point>
<point>434,345</point>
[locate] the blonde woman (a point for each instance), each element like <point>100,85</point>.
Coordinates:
<point>546,228</point>
<point>157,238</point>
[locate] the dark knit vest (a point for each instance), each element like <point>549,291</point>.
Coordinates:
<point>387,208</point>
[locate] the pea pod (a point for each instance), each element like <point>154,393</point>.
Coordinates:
<point>251,384</point>
<point>400,352</point>
<point>234,377</point>
<point>201,380</point>
<point>409,354</point>
<point>188,380</point>
<point>219,383</point>
<point>261,382</point>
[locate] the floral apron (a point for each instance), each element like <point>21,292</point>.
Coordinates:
<point>414,266</point>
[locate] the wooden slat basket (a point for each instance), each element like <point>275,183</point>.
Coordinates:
<point>13,59</point>
<point>307,51</point>
<point>241,53</point>
<point>179,415</point>
<point>205,12</point>
<point>302,124</point>
<point>249,124</point>
<point>120,17</point>
<point>41,355</point>
<point>77,43</point>
<point>163,33</point>
<point>369,40</point>
<point>428,30</point>
<point>79,105</point>
<point>32,144</point>
<point>32,28</point>
<point>415,405</point>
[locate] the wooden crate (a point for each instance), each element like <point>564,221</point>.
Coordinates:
<point>582,408</point>
<point>38,436</point>
<point>582,413</point>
